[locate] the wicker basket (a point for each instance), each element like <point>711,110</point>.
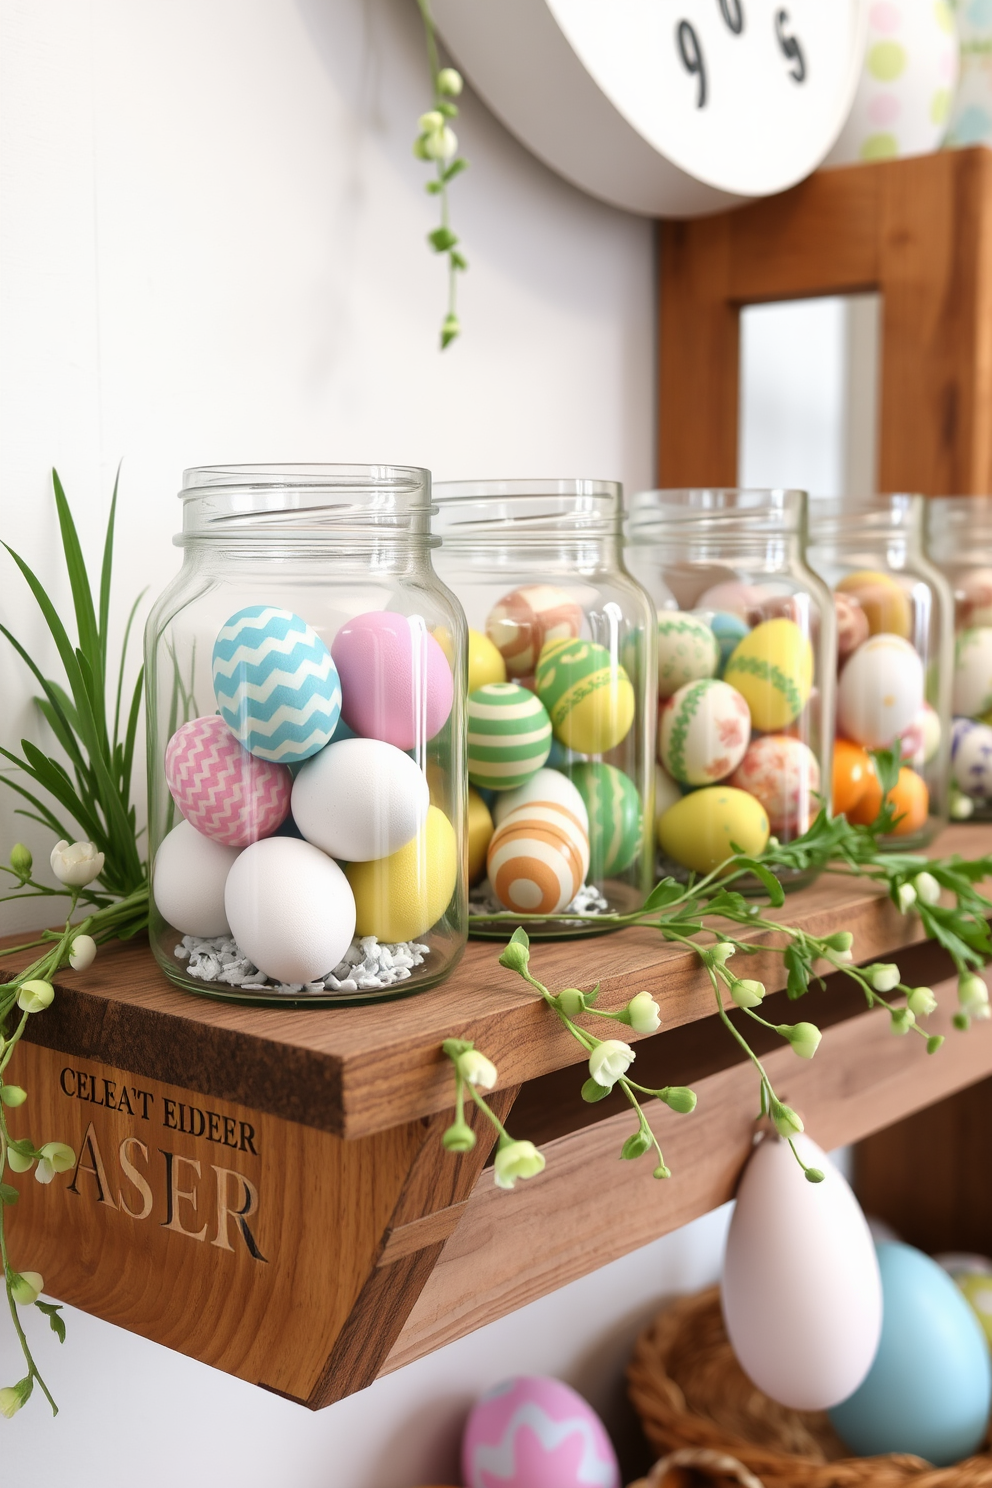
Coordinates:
<point>712,1426</point>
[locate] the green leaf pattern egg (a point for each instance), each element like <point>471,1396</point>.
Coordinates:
<point>615,821</point>
<point>687,651</point>
<point>588,695</point>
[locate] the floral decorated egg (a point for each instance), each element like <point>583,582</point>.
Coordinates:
<point>773,669</point>
<point>703,732</point>
<point>535,1432</point>
<point>222,790</point>
<point>903,102</point>
<point>276,685</point>
<point>971,758</point>
<point>880,691</point>
<point>687,650</point>
<point>521,624</point>
<point>784,775</point>
<point>973,673</point>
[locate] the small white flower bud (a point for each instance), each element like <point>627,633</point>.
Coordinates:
<point>645,1016</point>
<point>927,888</point>
<point>921,1002</point>
<point>76,864</point>
<point>609,1061</point>
<point>82,952</point>
<point>883,976</point>
<point>747,993</point>
<point>906,895</point>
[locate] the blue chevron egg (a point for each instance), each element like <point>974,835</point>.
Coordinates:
<point>276,686</point>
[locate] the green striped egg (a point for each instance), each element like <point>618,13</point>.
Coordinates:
<point>615,821</point>
<point>509,735</point>
<point>587,693</point>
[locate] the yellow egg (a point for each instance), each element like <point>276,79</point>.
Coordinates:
<point>885,603</point>
<point>699,830</point>
<point>480,830</point>
<point>400,897</point>
<point>772,668</point>
<point>485,662</point>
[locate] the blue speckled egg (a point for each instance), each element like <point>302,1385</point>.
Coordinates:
<point>729,630</point>
<point>930,1387</point>
<point>276,685</point>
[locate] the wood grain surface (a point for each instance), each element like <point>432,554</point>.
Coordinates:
<point>355,1071</point>
<point>917,230</point>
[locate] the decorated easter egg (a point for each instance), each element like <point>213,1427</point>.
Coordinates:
<point>538,859</point>
<point>919,743</point>
<point>880,691</point>
<point>485,663</point>
<point>903,100</point>
<point>784,774</point>
<point>549,786</point>
<point>743,600</point>
<point>360,799</point>
<point>276,685</point>
<point>535,1432</point>
<point>882,600</point>
<point>687,650</point>
<point>509,735</point>
<point>290,909</point>
<point>930,1385</point>
<point>588,695</point>
<point>400,897</point>
<point>729,630</point>
<point>773,669</point>
<point>666,793</point>
<point>703,829</point>
<point>801,1293</point>
<point>703,732</point>
<point>480,831</point>
<point>225,792</point>
<point>853,771</point>
<point>615,819</point>
<point>973,598</point>
<point>188,881</point>
<point>971,758</point>
<point>852,625</point>
<point>972,696</point>
<point>395,680</point>
<point>522,623</point>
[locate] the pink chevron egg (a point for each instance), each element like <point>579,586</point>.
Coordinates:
<point>535,1432</point>
<point>223,791</point>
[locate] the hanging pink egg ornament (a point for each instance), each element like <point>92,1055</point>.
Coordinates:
<point>229,795</point>
<point>396,684</point>
<point>801,1291</point>
<point>536,1432</point>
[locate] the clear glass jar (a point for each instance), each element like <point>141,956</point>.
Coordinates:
<point>959,541</point>
<point>561,710</point>
<point>745,671</point>
<point>306,739</point>
<point>895,658</point>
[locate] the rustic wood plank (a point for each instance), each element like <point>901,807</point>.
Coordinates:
<point>354,1071</point>
<point>917,230</point>
<point>510,1249</point>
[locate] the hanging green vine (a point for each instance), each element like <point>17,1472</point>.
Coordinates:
<point>438,144</point>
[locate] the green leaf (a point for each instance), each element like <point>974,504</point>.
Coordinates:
<point>52,1311</point>
<point>776,893</point>
<point>520,937</point>
<point>8,1194</point>
<point>106,575</point>
<point>457,260</point>
<point>798,970</point>
<point>433,188</point>
<point>665,892</point>
<point>456,167</point>
<point>441,239</point>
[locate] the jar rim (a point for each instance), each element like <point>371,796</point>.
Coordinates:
<point>302,475</point>
<point>305,502</point>
<point>849,516</point>
<point>708,508</point>
<point>518,509</point>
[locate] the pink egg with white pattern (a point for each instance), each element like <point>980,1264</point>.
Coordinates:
<point>229,795</point>
<point>784,775</point>
<point>536,1432</point>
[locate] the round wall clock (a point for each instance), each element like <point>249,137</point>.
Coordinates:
<point>672,108</point>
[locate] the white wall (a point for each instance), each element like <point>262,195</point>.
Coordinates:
<point>211,249</point>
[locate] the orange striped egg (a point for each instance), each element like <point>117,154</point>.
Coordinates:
<point>538,858</point>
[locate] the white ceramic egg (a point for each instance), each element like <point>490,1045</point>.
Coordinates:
<point>549,786</point>
<point>360,799</point>
<point>703,731</point>
<point>973,672</point>
<point>880,691</point>
<point>188,881</point>
<point>290,908</point>
<point>802,1295</point>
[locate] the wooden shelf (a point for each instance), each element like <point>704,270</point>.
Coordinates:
<point>266,1190</point>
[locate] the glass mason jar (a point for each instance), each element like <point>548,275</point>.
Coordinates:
<point>959,541</point>
<point>561,709</point>
<point>306,739</point>
<point>895,658</point>
<point>745,671</point>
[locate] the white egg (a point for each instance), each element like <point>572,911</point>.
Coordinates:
<point>188,881</point>
<point>802,1294</point>
<point>880,691</point>
<point>360,799</point>
<point>973,672</point>
<point>547,785</point>
<point>290,908</point>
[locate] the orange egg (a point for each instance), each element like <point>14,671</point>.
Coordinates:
<point>853,771</point>
<point>869,803</point>
<point>911,800</point>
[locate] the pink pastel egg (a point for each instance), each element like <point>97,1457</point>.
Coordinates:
<point>535,1432</point>
<point>735,598</point>
<point>973,598</point>
<point>784,775</point>
<point>395,680</point>
<point>229,795</point>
